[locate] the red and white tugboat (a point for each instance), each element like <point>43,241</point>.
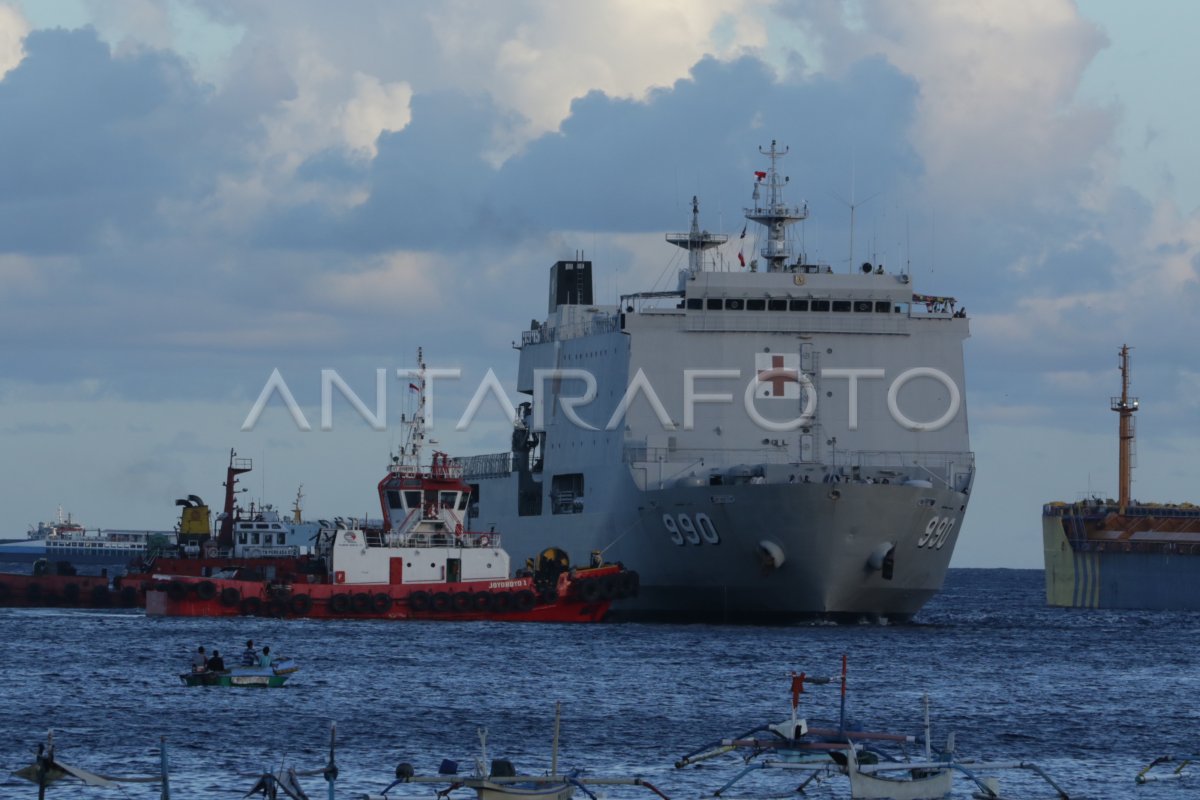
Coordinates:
<point>422,563</point>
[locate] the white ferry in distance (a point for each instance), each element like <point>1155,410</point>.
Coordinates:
<point>66,540</point>
<point>761,444</point>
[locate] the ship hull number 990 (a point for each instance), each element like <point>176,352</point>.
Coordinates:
<point>691,529</point>
<point>937,532</point>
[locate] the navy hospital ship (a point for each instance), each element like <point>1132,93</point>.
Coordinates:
<point>762,444</point>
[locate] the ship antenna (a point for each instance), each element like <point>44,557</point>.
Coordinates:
<point>1125,406</point>
<point>853,206</point>
<point>416,425</point>
<point>775,215</point>
<point>696,242</point>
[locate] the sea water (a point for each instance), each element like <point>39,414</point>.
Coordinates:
<point>1091,696</point>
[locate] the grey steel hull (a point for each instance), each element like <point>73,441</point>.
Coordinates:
<point>826,533</point>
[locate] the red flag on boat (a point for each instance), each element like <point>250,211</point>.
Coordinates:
<point>797,688</point>
<point>760,175</point>
<point>741,258</point>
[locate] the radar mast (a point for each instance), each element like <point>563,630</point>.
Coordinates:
<point>696,242</point>
<point>774,214</point>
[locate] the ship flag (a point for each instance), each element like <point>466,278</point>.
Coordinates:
<point>743,236</point>
<point>741,258</point>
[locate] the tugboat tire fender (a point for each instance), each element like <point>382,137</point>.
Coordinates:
<point>301,604</point>
<point>418,601</point>
<point>523,600</point>
<point>250,607</point>
<point>502,601</point>
<point>548,597</point>
<point>482,601</point>
<point>206,590</point>
<point>588,590</point>
<point>99,596</point>
<point>176,591</point>
<point>608,587</point>
<point>129,596</point>
<point>339,603</point>
<point>360,603</point>
<point>381,602</point>
<point>440,602</point>
<point>230,597</point>
<point>461,601</point>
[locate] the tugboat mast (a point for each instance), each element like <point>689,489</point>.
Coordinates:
<point>775,214</point>
<point>1125,406</point>
<point>410,451</point>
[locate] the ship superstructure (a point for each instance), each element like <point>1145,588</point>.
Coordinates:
<point>1122,553</point>
<point>760,443</point>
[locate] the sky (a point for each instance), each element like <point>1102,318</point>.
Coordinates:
<point>196,193</point>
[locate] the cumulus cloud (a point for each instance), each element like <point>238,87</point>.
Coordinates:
<point>13,29</point>
<point>342,181</point>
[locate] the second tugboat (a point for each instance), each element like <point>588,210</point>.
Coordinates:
<point>422,564</point>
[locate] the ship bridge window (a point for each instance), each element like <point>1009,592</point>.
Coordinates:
<point>883,307</point>
<point>393,498</point>
<point>262,526</point>
<point>463,499</point>
<point>713,303</point>
<point>695,303</point>
<point>448,499</point>
<point>841,305</point>
<point>798,305</point>
<point>735,304</point>
<point>820,305</point>
<point>777,305</point>
<point>756,305</point>
<point>241,537</point>
<point>412,499</point>
<point>863,306</point>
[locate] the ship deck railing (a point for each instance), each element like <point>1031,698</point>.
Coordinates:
<point>1094,508</point>
<point>266,551</point>
<point>939,462</point>
<point>467,539</point>
<point>601,323</point>
<point>487,465</point>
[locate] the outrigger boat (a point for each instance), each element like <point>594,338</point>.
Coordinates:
<point>501,781</point>
<point>422,563</point>
<point>271,677</point>
<point>1177,772</point>
<point>47,770</point>
<point>876,763</point>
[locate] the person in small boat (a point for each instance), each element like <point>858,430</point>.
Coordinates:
<point>249,655</point>
<point>199,660</point>
<point>265,659</point>
<point>216,663</point>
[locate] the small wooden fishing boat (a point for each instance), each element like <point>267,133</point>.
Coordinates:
<point>271,677</point>
<point>501,781</point>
